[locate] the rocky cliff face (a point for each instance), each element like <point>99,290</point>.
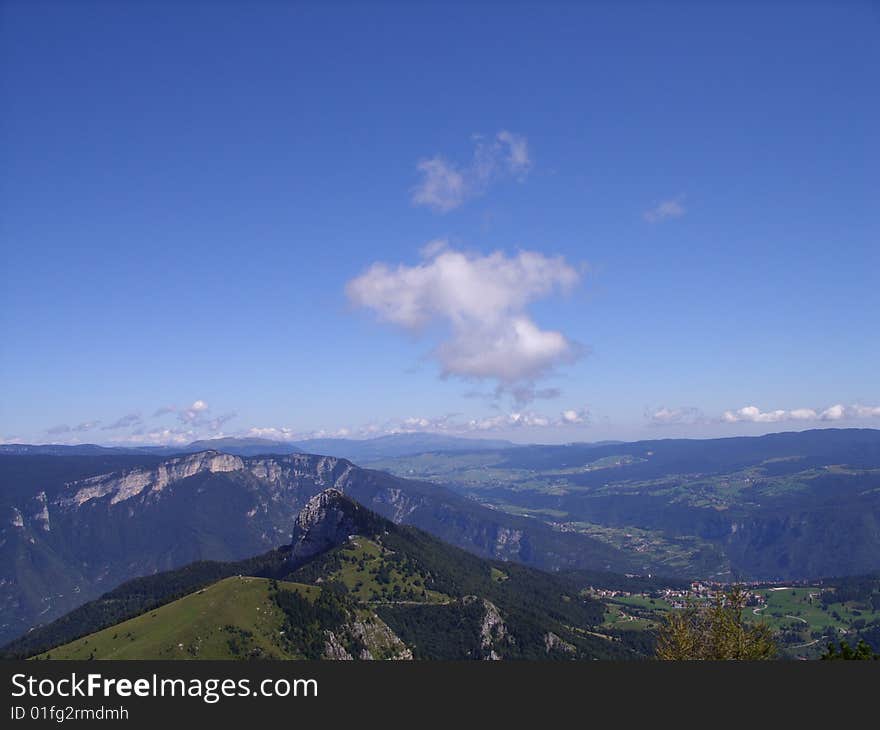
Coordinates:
<point>124,486</point>
<point>494,636</point>
<point>327,520</point>
<point>373,637</point>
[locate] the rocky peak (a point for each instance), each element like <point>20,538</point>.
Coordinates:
<point>327,520</point>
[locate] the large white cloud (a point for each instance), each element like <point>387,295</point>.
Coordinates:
<point>445,185</point>
<point>481,301</point>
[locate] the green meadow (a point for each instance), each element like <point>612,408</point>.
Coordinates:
<point>235,617</point>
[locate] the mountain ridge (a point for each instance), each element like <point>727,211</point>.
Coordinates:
<point>360,450</point>
<point>62,543</point>
<point>445,603</point>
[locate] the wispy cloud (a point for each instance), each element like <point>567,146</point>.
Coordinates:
<point>674,416</point>
<point>666,209</point>
<point>450,424</point>
<point>444,185</point>
<point>198,413</point>
<point>158,437</point>
<point>837,412</point>
<point>285,433</point>
<point>513,420</point>
<point>132,419</point>
<point>481,303</point>
<point>78,428</point>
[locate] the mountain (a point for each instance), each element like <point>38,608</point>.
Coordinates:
<point>776,507</point>
<point>787,506</point>
<point>74,526</point>
<point>351,584</point>
<point>364,451</point>
<point>240,446</point>
<point>358,450</point>
<point>72,450</point>
<point>241,617</point>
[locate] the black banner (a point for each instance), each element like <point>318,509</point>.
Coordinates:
<point>412,693</point>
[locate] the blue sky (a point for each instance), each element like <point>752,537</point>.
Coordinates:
<point>550,222</point>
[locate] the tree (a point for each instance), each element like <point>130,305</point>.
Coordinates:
<point>715,631</point>
<point>862,652</point>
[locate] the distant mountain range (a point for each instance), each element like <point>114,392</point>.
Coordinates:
<point>349,585</point>
<point>777,507</point>
<point>75,526</point>
<point>358,450</point>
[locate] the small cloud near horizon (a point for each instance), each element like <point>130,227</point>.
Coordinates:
<point>836,412</point>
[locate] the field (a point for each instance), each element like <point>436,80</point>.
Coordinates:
<point>804,622</point>
<point>231,618</point>
<point>634,613</point>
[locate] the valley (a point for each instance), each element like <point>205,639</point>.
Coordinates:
<point>778,507</point>
<point>627,526</point>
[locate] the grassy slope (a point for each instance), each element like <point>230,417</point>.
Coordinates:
<point>195,627</point>
<point>363,563</point>
<point>401,572</point>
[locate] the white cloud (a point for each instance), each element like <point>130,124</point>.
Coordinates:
<point>802,414</point>
<point>450,424</point>
<point>159,437</point>
<point>517,155</point>
<point>666,209</point>
<point>196,422</point>
<point>271,432</point>
<point>526,419</point>
<point>754,415</point>
<point>860,411</point>
<point>194,411</point>
<point>285,433</point>
<point>444,185</point>
<point>667,416</point>
<point>482,302</point>
<point>836,412</point>
<point>442,188</point>
<point>453,424</point>
<point>572,416</point>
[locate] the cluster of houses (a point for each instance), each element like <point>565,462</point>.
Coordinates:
<point>704,591</point>
<point>680,597</point>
